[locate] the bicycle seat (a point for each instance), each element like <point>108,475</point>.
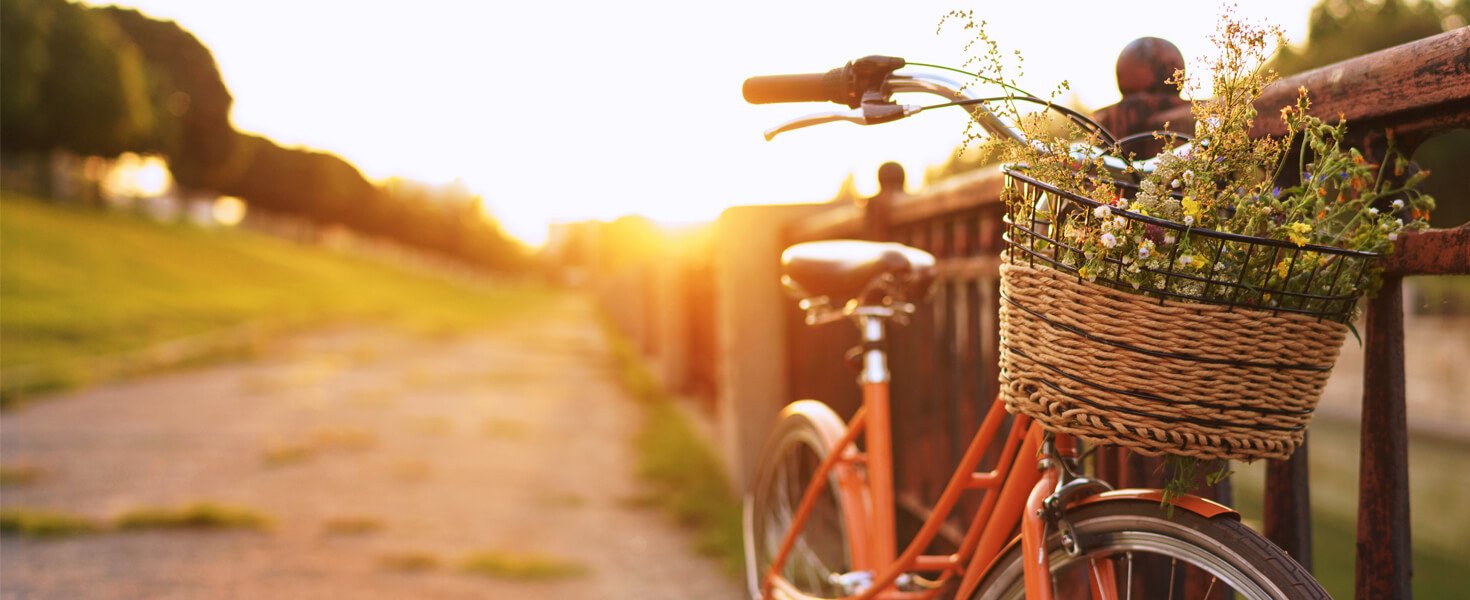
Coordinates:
<point>845,269</point>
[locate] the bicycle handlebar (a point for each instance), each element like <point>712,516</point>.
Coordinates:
<point>807,87</point>
<point>866,85</point>
<point>859,82</point>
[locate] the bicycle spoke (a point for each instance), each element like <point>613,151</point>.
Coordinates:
<point>1173,566</point>
<point>1211,588</point>
<point>1130,575</point>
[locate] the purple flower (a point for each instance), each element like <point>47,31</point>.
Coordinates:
<point>1153,233</point>
<point>1276,192</point>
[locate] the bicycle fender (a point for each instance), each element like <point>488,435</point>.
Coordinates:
<point>828,424</point>
<point>1203,507</point>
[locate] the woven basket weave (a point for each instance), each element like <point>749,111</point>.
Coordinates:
<point>1201,380</point>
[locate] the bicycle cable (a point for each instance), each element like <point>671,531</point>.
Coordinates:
<point>1074,116</point>
<point>1026,96</point>
<point>1155,134</point>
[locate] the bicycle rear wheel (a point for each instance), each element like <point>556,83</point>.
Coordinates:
<point>1138,551</point>
<point>806,434</point>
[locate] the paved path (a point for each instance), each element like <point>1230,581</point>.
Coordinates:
<point>515,441</point>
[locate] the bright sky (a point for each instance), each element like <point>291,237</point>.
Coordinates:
<point>559,111</point>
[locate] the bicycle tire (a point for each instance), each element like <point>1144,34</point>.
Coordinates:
<point>1220,548</point>
<point>805,435</point>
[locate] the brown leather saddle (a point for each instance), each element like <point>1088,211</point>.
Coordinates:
<point>871,272</point>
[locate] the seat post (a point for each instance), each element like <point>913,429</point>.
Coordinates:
<point>874,378</point>
<point>875,360</point>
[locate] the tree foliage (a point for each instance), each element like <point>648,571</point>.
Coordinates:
<point>330,191</point>
<point>70,79</point>
<point>1341,29</point>
<point>189,99</point>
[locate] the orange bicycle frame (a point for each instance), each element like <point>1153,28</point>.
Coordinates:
<point>876,551</point>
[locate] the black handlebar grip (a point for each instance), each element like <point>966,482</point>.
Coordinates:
<point>807,87</point>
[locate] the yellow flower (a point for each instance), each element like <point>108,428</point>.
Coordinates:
<point>1297,232</point>
<point>1191,209</point>
<point>1283,267</point>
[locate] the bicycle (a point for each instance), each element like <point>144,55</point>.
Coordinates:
<point>819,518</point>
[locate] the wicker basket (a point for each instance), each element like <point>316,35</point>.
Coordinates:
<point>1227,361</point>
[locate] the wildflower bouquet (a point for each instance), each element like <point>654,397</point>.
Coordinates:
<point>1191,304</point>
<point>1225,181</point>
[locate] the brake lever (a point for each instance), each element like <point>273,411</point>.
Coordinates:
<point>857,115</point>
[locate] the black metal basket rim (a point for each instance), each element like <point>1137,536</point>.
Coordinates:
<point>1012,171</point>
<point>1071,270</point>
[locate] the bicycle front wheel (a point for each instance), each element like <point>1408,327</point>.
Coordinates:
<point>1133,549</point>
<point>806,434</point>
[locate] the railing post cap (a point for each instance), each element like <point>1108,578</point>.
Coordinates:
<point>890,178</point>
<point>1145,64</point>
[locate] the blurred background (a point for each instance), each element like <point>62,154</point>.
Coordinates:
<point>346,225</point>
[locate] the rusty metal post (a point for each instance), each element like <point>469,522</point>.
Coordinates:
<point>878,210</point>
<point>1384,563</point>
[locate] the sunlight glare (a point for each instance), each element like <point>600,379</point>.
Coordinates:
<point>132,176</point>
<point>228,210</point>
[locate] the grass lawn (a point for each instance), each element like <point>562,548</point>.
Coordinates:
<point>78,284</point>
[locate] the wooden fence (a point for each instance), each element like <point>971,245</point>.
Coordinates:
<point>750,352</point>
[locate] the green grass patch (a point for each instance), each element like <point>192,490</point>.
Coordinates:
<point>18,475</point>
<point>409,562</point>
<point>38,523</point>
<point>352,526</point>
<point>342,439</point>
<point>685,476</point>
<point>201,515</point>
<point>521,566</point>
<point>78,286</point>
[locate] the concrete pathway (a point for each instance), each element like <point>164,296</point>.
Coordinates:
<point>371,452</point>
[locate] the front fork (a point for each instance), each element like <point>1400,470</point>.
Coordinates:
<point>1060,484</point>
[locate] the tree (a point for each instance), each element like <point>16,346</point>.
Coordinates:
<point>1342,29</point>
<point>71,79</point>
<point>189,99</point>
